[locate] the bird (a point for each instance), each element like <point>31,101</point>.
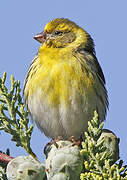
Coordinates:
<point>65,83</point>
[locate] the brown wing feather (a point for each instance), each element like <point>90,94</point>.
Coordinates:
<point>93,63</point>
<point>29,72</point>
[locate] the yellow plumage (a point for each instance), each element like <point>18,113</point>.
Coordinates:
<point>58,75</point>
<point>65,83</point>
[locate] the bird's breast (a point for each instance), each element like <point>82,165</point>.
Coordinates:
<point>59,92</point>
<point>59,78</point>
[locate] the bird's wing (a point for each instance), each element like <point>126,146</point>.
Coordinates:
<point>93,64</point>
<point>29,72</point>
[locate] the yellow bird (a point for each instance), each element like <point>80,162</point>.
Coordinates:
<point>65,83</point>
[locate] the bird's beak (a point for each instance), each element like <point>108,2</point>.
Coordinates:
<point>41,37</point>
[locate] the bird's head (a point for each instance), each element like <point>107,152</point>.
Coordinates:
<point>60,33</point>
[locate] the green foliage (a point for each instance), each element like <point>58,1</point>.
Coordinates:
<point>13,116</point>
<point>98,157</point>
<point>2,173</point>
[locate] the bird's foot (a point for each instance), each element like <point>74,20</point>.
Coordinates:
<point>53,141</point>
<point>75,141</point>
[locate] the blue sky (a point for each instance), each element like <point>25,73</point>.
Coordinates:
<point>106,21</point>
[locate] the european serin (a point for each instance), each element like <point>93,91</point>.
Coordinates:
<point>65,83</point>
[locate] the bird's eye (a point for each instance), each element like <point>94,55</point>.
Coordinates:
<point>58,33</point>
